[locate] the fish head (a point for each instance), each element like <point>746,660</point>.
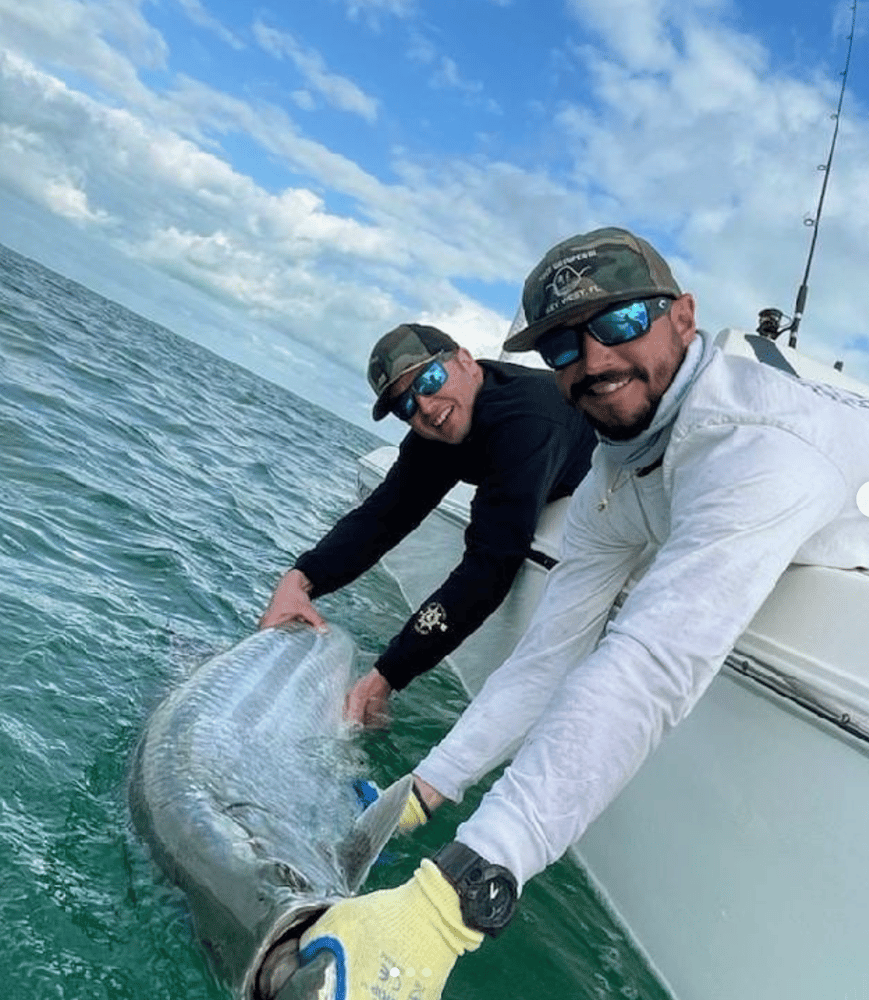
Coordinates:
<point>278,975</point>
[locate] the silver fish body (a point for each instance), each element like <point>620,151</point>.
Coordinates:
<point>242,787</point>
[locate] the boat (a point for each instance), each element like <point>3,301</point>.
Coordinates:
<point>737,858</point>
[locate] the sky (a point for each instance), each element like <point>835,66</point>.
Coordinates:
<point>286,182</point>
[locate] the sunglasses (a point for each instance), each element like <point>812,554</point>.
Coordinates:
<point>431,379</point>
<point>619,325</point>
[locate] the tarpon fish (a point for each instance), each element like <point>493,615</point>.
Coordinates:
<point>243,788</point>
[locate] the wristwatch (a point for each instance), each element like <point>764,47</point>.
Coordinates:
<point>487,893</point>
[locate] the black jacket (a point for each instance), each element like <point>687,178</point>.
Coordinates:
<point>526,447</point>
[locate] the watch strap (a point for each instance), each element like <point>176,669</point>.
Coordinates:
<point>487,893</point>
<point>456,861</point>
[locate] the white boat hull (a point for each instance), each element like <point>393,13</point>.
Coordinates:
<point>737,858</point>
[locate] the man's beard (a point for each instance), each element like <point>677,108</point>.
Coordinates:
<point>615,432</point>
<point>625,432</point>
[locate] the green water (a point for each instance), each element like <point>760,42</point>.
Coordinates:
<point>151,494</point>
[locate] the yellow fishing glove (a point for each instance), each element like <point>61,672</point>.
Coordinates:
<point>415,812</point>
<point>400,942</point>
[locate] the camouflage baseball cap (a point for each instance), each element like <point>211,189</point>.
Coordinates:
<point>582,276</point>
<point>408,346</point>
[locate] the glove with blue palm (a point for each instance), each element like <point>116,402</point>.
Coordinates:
<point>405,940</point>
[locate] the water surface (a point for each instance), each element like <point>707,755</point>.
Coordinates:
<point>152,493</point>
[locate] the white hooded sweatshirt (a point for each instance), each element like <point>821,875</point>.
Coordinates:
<point>760,470</point>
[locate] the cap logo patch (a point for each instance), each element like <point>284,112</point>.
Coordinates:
<point>572,281</point>
<point>566,279</point>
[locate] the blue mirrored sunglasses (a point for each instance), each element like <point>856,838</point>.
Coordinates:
<point>619,325</point>
<point>427,383</point>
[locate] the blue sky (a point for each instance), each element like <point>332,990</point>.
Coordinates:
<point>291,180</point>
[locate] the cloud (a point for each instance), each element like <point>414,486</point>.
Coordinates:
<point>59,190</point>
<point>74,35</point>
<point>304,99</point>
<point>372,11</point>
<point>70,202</point>
<point>284,257</point>
<point>447,76</point>
<point>685,129</point>
<point>698,141</point>
<point>201,17</point>
<point>336,90</point>
<point>641,32</point>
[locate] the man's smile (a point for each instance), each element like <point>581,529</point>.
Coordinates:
<point>605,388</point>
<point>602,385</point>
<point>441,417</point>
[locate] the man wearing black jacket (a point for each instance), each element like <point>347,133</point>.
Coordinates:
<point>501,427</point>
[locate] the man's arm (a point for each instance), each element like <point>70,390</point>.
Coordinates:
<point>739,514</point>
<point>525,462</point>
<point>567,624</point>
<point>414,485</point>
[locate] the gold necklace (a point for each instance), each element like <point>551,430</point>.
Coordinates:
<point>615,485</point>
<point>618,483</point>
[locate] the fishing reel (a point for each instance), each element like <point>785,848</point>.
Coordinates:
<point>770,323</point>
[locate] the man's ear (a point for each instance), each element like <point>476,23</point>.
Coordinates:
<point>682,316</point>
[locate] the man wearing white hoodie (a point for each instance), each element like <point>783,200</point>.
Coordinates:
<point>712,475</point>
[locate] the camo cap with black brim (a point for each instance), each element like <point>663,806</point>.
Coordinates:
<point>408,346</point>
<point>581,276</point>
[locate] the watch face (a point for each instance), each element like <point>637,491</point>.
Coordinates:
<point>490,902</point>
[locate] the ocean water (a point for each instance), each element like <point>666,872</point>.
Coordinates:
<point>152,493</point>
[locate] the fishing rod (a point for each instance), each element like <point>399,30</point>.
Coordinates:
<point>770,320</point>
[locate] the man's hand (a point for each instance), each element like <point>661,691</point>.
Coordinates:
<point>368,701</point>
<point>290,603</point>
<point>400,942</point>
<point>417,811</point>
